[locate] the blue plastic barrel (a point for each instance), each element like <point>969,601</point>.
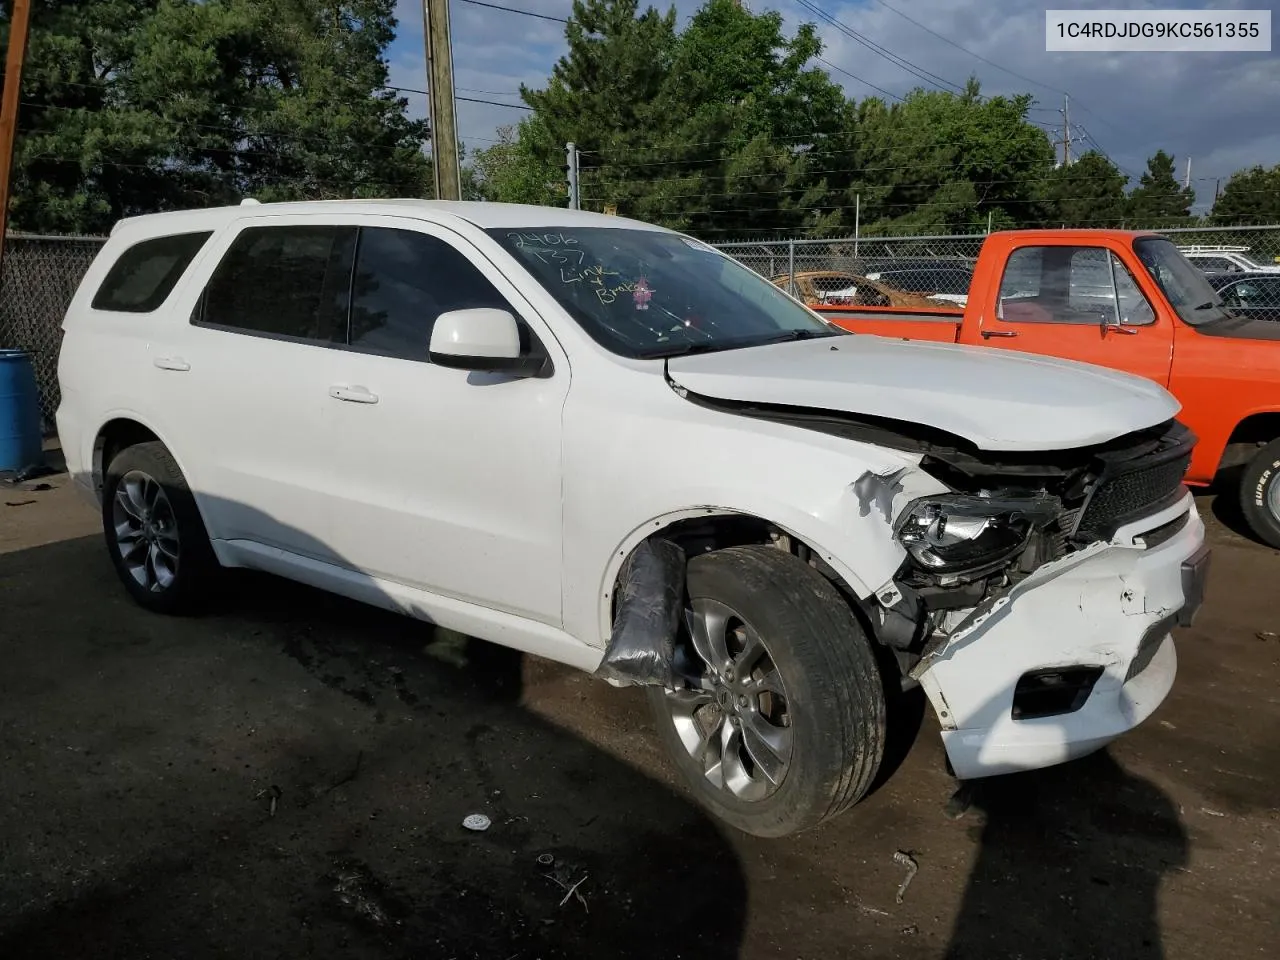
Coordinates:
<point>20,442</point>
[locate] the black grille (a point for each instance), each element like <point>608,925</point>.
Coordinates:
<point>1135,493</point>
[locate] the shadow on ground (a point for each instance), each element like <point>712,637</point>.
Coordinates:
<point>289,778</point>
<point>1070,862</point>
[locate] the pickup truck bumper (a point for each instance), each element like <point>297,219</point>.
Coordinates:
<point>1076,655</point>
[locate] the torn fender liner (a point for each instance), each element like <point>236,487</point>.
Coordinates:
<point>650,598</point>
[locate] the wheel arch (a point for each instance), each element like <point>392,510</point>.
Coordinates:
<point>1249,435</point>
<point>126,429</point>
<point>704,528</point>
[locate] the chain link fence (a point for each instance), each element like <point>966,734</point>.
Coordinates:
<point>38,278</point>
<point>934,272</point>
<point>40,275</point>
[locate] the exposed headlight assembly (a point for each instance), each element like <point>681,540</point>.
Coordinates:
<point>958,535</point>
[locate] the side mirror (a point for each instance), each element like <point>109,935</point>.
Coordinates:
<point>482,339</point>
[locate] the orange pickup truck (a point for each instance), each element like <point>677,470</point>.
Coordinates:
<point>1130,301</point>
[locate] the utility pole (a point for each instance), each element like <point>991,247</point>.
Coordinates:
<point>443,110</point>
<point>18,28</point>
<point>1066,130</point>
<point>1187,181</point>
<point>571,154</point>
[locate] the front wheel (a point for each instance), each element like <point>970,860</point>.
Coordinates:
<point>1260,494</point>
<point>778,722</point>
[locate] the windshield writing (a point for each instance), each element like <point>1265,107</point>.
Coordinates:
<point>646,293</point>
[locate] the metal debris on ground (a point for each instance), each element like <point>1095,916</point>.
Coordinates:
<point>1267,635</point>
<point>274,793</point>
<point>546,859</point>
<point>477,822</point>
<point>571,890</point>
<point>909,862</point>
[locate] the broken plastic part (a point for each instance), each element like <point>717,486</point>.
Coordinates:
<point>650,597</point>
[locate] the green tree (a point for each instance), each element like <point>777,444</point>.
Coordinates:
<point>1087,193</point>
<point>512,171</point>
<point>719,128</point>
<point>1158,200</point>
<point>1250,196</point>
<point>132,106</point>
<point>942,162</point>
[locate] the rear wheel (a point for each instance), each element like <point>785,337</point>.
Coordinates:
<point>154,533</point>
<point>1260,494</point>
<point>778,720</point>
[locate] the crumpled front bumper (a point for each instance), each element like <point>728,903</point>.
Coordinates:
<point>1109,606</point>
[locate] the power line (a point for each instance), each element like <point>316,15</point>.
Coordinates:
<point>859,79</point>
<point>915,69</point>
<point>525,13</point>
<point>948,40</point>
<point>495,103</point>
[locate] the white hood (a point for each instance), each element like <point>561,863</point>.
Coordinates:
<point>994,398</point>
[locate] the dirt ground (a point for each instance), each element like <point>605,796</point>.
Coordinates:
<point>288,778</point>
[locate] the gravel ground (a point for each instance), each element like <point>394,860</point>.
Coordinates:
<point>288,778</point>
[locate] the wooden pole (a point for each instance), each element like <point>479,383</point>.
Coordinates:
<point>443,108</point>
<point>18,27</point>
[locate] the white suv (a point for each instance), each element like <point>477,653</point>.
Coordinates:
<point>609,444</point>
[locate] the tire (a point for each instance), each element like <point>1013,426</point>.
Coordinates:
<point>832,705</point>
<point>1260,494</point>
<point>153,531</point>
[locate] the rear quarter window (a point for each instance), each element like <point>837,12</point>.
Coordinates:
<point>146,273</point>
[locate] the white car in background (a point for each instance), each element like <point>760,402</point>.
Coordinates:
<point>1226,259</point>
<point>608,444</point>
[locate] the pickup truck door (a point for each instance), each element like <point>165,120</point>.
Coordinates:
<point>1077,302</point>
<point>451,479</point>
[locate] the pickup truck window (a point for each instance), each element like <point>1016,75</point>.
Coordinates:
<point>1068,284</point>
<point>1185,287</point>
<point>288,282</point>
<point>402,282</point>
<point>647,294</point>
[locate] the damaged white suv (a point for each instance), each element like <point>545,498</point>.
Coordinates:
<point>608,444</point>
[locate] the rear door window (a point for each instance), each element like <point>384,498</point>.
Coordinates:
<point>287,281</point>
<point>402,282</point>
<point>146,273</point>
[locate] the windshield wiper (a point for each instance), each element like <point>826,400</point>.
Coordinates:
<point>712,346</point>
<point>795,335</point>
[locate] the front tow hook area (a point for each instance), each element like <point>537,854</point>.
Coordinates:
<point>1195,576</point>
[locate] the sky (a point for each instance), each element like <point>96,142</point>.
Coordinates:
<point>1221,110</point>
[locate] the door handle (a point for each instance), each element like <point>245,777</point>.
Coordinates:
<point>988,334</point>
<point>171,363</point>
<point>1117,328</point>
<point>352,394</point>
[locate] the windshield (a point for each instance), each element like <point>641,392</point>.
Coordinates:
<point>1185,287</point>
<point>647,294</point>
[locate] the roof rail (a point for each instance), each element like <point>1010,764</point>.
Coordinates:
<point>1214,248</point>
